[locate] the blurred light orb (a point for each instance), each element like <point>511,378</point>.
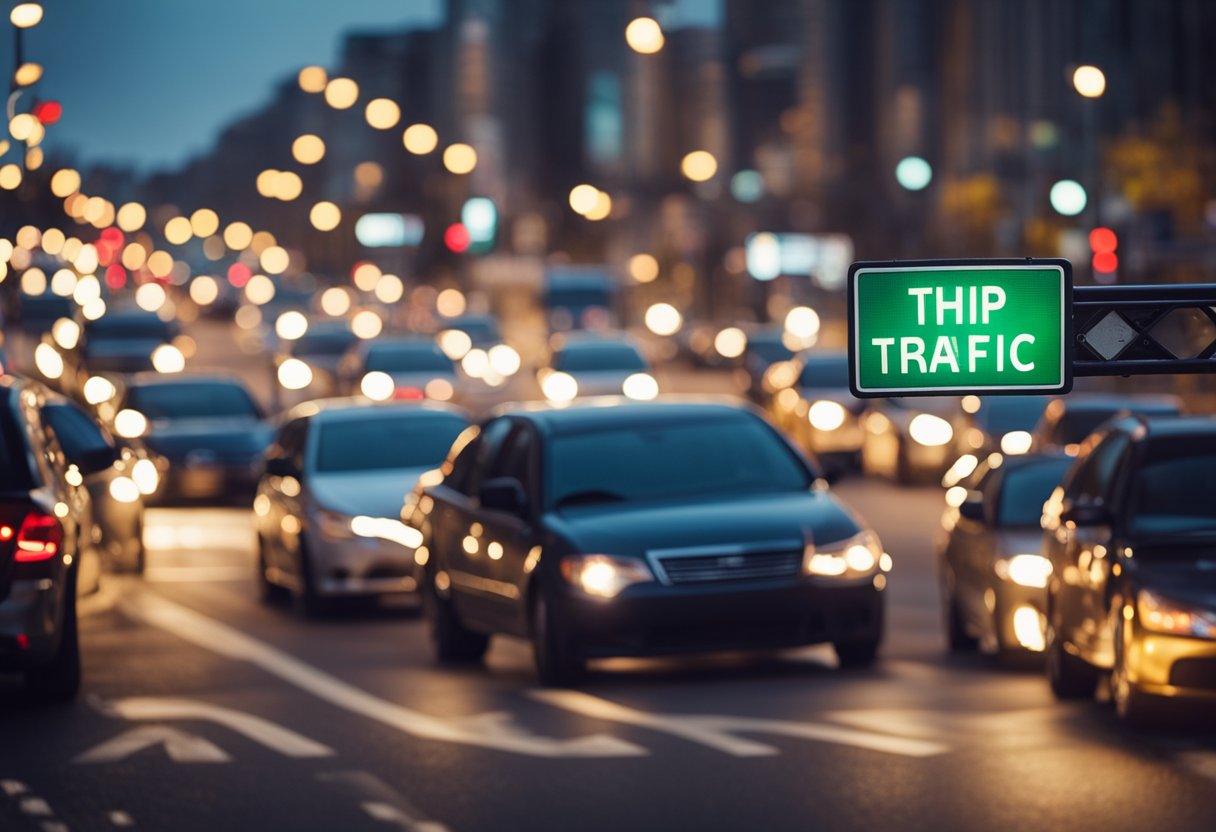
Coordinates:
<point>160,263</point>
<point>134,256</point>
<point>204,290</point>
<point>27,74</point>
<point>27,237</point>
<point>747,186</point>
<point>33,281</point>
<point>377,386</point>
<point>420,139</point>
<point>265,182</point>
<point>802,322</point>
<point>294,374</point>
<point>455,343</point>
<point>602,207</point>
<point>644,35</point>
<point>22,126</point>
<point>826,415</point>
<point>559,387</point>
<point>248,316</point>
<point>63,283</point>
<point>168,359</point>
<point>450,303</point>
<point>34,157</point>
<point>275,260</point>
<point>389,289</point>
<point>150,297</point>
<point>178,231</point>
<point>94,309</point>
<point>10,177</point>
<point>366,324</point>
<point>288,186</point>
<point>459,158</point>
<point>369,175</point>
<point>25,15</point>
<point>366,276</point>
<point>324,216</point>
<point>291,325</point>
<point>48,361</point>
<point>382,113</point>
<point>86,260</point>
<point>730,342</point>
<point>313,79</point>
<point>641,387</point>
<point>335,301</point>
<point>308,149</point>
<point>663,319</point>
<point>66,333</point>
<point>1068,197</point>
<point>53,241</point>
<point>259,290</point>
<point>145,476</point>
<point>238,236</point>
<point>504,360</point>
<point>699,165</point>
<point>99,389</point>
<point>644,268</point>
<point>65,182</point>
<point>130,424</point>
<point>204,222</point>
<point>1089,81</point>
<point>583,198</point>
<point>913,173</point>
<point>476,363</point>
<point>123,489</point>
<point>341,93</point>
<point>439,389</point>
<point>88,288</point>
<point>131,217</point>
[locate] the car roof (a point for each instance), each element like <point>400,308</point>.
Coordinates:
<point>1157,427</point>
<point>616,411</point>
<point>349,408</point>
<point>151,378</point>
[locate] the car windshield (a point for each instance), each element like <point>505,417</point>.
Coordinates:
<point>1079,422</point>
<point>825,371</point>
<point>735,454</point>
<point>1025,488</point>
<point>191,400</point>
<point>141,328</point>
<point>1172,491</point>
<point>323,343</point>
<point>407,358</point>
<point>403,440</point>
<point>592,357</point>
<point>999,415</point>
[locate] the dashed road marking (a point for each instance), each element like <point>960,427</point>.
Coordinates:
<point>12,788</point>
<point>35,806</point>
<point>180,746</point>
<point>120,818</point>
<point>192,574</point>
<point>381,802</point>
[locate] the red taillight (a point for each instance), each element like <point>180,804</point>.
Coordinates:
<point>39,537</point>
<point>408,394</point>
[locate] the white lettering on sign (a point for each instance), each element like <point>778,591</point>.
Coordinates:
<point>944,353</point>
<point>1020,366</point>
<point>882,344</point>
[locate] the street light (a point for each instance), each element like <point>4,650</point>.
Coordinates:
<point>913,173</point>
<point>25,15</point>
<point>699,165</point>
<point>644,35</point>
<point>1068,197</point>
<point>1089,81</point>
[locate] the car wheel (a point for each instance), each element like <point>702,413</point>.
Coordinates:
<point>957,638</point>
<point>556,662</point>
<point>857,653</point>
<point>1070,676</point>
<point>307,601</point>
<point>451,641</point>
<point>59,680</point>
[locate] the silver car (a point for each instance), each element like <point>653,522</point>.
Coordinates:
<point>328,506</point>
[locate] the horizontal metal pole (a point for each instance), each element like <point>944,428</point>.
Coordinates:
<point>1169,293</point>
<point>1143,367</point>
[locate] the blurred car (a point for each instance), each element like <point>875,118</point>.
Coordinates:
<point>398,368</point>
<point>999,423</point>
<point>1131,536</point>
<point>580,297</point>
<point>207,427</point>
<point>909,440</point>
<point>475,342</point>
<point>328,505</point>
<point>321,347</point>
<point>597,365</point>
<point>811,402</point>
<point>765,347</point>
<point>45,556</point>
<point>124,341</point>
<point>616,528</point>
<point>992,577</point>
<point>1068,420</point>
<point>116,491</point>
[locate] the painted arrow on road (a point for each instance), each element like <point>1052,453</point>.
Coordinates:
<point>180,746</point>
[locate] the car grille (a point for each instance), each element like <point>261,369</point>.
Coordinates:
<point>1194,673</point>
<point>692,568</point>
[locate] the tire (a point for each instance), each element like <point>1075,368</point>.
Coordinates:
<point>1069,676</point>
<point>557,664</point>
<point>854,654</point>
<point>59,680</point>
<point>957,638</point>
<point>308,603</point>
<point>451,641</point>
<point>268,593</point>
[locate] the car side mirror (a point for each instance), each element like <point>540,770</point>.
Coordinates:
<point>96,460</point>
<point>504,494</point>
<point>972,508</point>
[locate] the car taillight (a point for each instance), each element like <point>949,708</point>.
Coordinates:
<point>40,537</point>
<point>409,394</point>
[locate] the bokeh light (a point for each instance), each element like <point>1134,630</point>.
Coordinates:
<point>341,93</point>
<point>459,158</point>
<point>644,35</point>
<point>308,149</point>
<point>382,113</point>
<point>420,139</point>
<point>699,165</point>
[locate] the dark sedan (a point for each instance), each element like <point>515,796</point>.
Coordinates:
<point>607,529</point>
<point>208,428</point>
<point>124,341</point>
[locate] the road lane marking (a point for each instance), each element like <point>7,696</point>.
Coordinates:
<point>120,818</point>
<point>718,732</point>
<point>183,529</point>
<point>1025,727</point>
<point>495,731</point>
<point>273,736</point>
<point>191,574</point>
<point>180,746</point>
<point>54,826</point>
<point>1202,763</point>
<point>35,806</point>
<point>381,802</point>
<point>12,788</point>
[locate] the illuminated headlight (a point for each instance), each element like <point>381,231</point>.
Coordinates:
<point>504,360</point>
<point>130,424</point>
<point>455,343</point>
<point>145,475</point>
<point>559,387</point>
<point>377,386</point>
<point>641,387</point>
<point>1025,570</point>
<point>825,415</point>
<point>857,557</point>
<point>386,528</point>
<point>1015,442</point>
<point>929,430</point>
<point>1163,615</point>
<point>295,374</point>
<point>124,490</point>
<point>99,389</point>
<point>604,576</point>
<point>1028,629</point>
<point>168,359</point>
<point>333,525</point>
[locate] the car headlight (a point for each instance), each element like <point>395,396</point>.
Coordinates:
<point>856,557</point>
<point>603,575</point>
<point>826,415</point>
<point>333,525</point>
<point>559,387</point>
<point>929,430</point>
<point>1163,615</point>
<point>640,387</point>
<point>1015,442</point>
<point>145,475</point>
<point>1025,570</point>
<point>130,424</point>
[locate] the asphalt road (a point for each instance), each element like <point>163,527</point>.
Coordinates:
<point>204,710</point>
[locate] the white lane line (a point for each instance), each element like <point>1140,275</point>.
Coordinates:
<point>102,600</point>
<point>182,574</point>
<point>269,734</point>
<point>1027,727</point>
<point>120,818</point>
<point>12,788</point>
<point>180,746</point>
<point>54,826</point>
<point>1202,763</point>
<point>35,806</point>
<point>381,802</point>
<point>495,731</point>
<point>718,732</point>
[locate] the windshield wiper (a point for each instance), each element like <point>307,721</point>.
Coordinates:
<point>590,497</point>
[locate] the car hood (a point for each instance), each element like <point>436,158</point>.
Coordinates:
<point>224,437</point>
<point>624,529</point>
<point>374,493</point>
<point>1192,581</point>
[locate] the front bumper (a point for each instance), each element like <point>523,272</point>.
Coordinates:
<point>361,566</point>
<point>1171,666</point>
<point>652,619</point>
<point>30,623</point>
<point>1007,599</point>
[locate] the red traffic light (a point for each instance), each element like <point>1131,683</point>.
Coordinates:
<point>47,112</point>
<point>1103,241</point>
<point>1105,262</point>
<point>456,238</point>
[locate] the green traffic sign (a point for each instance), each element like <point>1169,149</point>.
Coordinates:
<point>952,327</point>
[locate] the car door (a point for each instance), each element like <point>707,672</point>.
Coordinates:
<point>969,553</point>
<point>283,486</point>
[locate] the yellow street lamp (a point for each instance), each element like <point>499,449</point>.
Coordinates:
<point>1089,81</point>
<point>699,165</point>
<point>644,35</point>
<point>25,15</point>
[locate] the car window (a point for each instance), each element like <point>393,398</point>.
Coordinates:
<point>515,459</point>
<point>291,442</point>
<point>592,357</point>
<point>191,400</point>
<point>999,415</point>
<point>1172,492</point>
<point>407,358</point>
<point>825,371</point>
<point>493,435</point>
<point>403,440</point>
<point>1024,490</point>
<point>76,432</point>
<point>1093,481</point>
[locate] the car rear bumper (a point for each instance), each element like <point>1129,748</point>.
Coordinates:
<point>654,620</point>
<point>29,624</point>
<point>362,566</point>
<point>236,480</point>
